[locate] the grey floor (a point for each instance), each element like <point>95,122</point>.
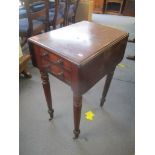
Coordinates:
<point>110,133</point>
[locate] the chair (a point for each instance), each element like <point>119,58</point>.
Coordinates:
<point>22,12</point>
<point>72,10</point>
<point>35,7</point>
<point>23,60</point>
<point>31,24</point>
<point>58,13</point>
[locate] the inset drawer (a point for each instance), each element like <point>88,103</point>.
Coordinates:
<point>59,72</point>
<point>56,60</point>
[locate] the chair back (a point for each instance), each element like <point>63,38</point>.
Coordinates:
<point>71,10</point>
<point>36,14</point>
<point>60,13</point>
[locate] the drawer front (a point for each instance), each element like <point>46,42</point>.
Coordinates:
<point>59,73</point>
<point>56,60</point>
<point>53,64</point>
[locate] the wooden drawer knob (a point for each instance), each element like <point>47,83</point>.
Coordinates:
<point>44,54</point>
<point>61,74</point>
<point>59,62</point>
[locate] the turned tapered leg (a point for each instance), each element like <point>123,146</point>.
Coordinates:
<point>106,87</point>
<point>77,104</point>
<point>47,92</point>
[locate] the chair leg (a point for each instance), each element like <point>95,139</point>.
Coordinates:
<point>73,19</point>
<point>24,41</point>
<point>26,73</point>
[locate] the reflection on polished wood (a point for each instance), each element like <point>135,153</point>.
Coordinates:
<point>79,55</point>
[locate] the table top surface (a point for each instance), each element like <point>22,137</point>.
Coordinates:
<point>79,42</point>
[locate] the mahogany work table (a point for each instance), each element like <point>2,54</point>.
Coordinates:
<point>79,55</point>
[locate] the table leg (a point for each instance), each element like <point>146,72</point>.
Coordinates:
<point>47,92</point>
<point>77,105</point>
<point>106,87</point>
